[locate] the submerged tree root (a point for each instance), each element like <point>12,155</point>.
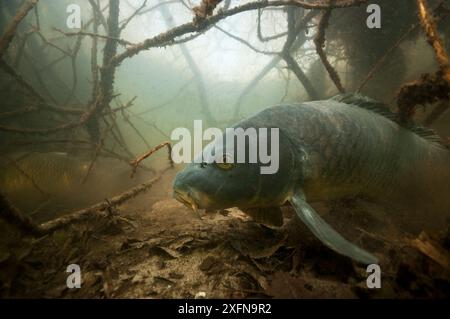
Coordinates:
<point>431,87</point>
<point>97,209</point>
<point>24,223</point>
<point>14,216</point>
<point>428,89</point>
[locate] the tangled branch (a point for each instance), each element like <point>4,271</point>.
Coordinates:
<point>293,33</point>
<point>11,29</point>
<point>319,41</point>
<point>138,160</point>
<point>168,37</point>
<point>431,87</point>
<point>435,41</point>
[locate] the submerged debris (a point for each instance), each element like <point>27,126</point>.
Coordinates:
<point>171,254</point>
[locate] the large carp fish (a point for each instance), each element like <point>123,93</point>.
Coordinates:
<point>346,146</point>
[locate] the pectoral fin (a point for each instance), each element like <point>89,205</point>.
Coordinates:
<point>269,216</point>
<point>328,235</point>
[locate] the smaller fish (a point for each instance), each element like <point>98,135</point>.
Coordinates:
<point>29,179</point>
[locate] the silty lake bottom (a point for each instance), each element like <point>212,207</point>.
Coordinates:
<point>91,205</point>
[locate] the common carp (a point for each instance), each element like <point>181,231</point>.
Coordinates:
<point>29,179</point>
<point>345,146</point>
<point>54,172</point>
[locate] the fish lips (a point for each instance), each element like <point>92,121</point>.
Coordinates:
<point>186,199</point>
<point>195,200</point>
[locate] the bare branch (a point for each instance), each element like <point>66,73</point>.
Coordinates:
<point>11,29</point>
<point>291,46</point>
<point>14,216</point>
<point>430,87</point>
<point>259,32</point>
<point>301,76</point>
<point>384,58</point>
<point>97,209</point>
<point>320,43</point>
<point>95,35</point>
<point>245,42</point>
<point>136,12</point>
<point>20,80</point>
<point>138,160</point>
<point>293,32</point>
<point>204,10</point>
<point>197,73</point>
<point>107,72</point>
<point>99,14</point>
<point>168,38</point>
<point>156,6</point>
<point>437,11</point>
<point>435,41</point>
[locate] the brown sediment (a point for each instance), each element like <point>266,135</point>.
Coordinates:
<point>154,247</point>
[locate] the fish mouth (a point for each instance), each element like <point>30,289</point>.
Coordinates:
<point>185,199</point>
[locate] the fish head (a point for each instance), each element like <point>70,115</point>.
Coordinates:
<point>218,180</point>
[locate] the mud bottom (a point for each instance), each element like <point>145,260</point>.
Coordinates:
<point>153,247</point>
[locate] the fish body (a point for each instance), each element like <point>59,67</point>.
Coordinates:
<point>54,172</point>
<point>346,146</point>
<point>343,149</point>
<point>29,179</point>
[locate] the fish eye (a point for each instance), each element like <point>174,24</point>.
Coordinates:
<point>225,165</point>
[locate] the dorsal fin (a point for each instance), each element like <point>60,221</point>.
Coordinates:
<point>383,110</point>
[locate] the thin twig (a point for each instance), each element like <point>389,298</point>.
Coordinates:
<point>98,150</point>
<point>136,12</point>
<point>94,35</point>
<point>168,38</point>
<point>246,43</point>
<point>266,38</point>
<point>138,160</point>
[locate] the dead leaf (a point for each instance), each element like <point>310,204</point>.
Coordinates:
<point>164,252</point>
<point>284,285</point>
<point>432,249</point>
<point>254,250</point>
<point>211,265</point>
